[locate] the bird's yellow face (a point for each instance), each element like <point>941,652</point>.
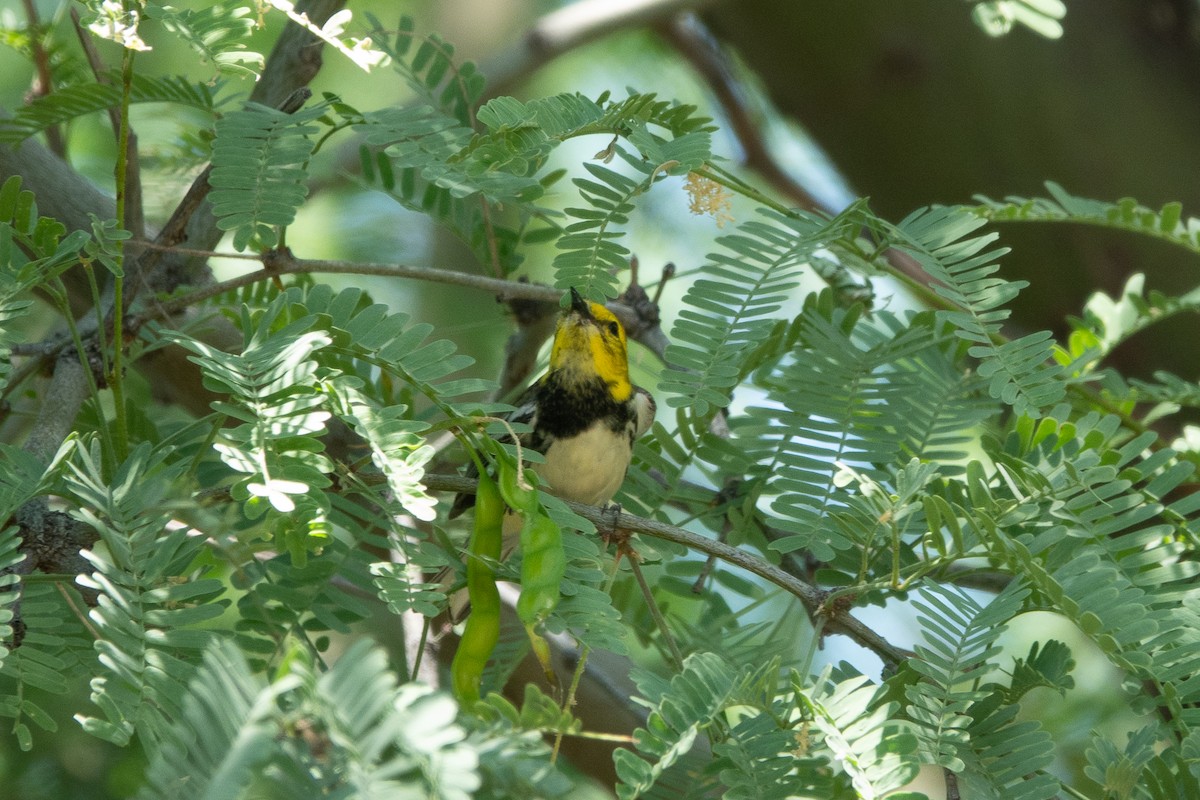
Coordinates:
<point>590,342</point>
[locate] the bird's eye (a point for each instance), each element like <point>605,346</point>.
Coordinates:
<point>614,329</point>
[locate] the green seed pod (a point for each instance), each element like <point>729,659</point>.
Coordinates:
<point>542,567</point>
<point>482,629</point>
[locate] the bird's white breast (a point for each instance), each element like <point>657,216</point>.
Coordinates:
<point>588,468</point>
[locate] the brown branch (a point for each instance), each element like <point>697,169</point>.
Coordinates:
<point>837,619</point>
<point>292,64</point>
<point>297,56</point>
<point>703,52</point>
<point>535,324</point>
<point>43,85</point>
<point>51,541</point>
<point>638,326</point>
<point>570,27</point>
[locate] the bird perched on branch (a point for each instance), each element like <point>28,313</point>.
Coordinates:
<point>584,413</point>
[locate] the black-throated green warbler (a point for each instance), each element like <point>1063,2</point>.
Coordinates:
<point>584,413</point>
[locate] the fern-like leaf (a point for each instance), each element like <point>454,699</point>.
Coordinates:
<point>960,637</point>
<point>367,331</point>
<point>833,410</point>
<point>692,701</point>
<point>33,250</point>
<point>946,405</point>
<point>273,384</point>
<point>1018,371</point>
<point>396,449</point>
<point>146,618</point>
<point>591,253</point>
<point>217,31</point>
<point>1167,223</point>
<point>53,655</point>
<point>759,761</point>
<point>1048,665</point>
<point>427,64</point>
<point>1119,771</point>
<point>585,609</point>
<point>225,733</point>
<point>258,176</point>
<point>52,649</point>
<point>408,735</point>
<point>1006,758</point>
<point>404,591</point>
<point>729,311</point>
<point>876,751</point>
<point>287,596</point>
<point>1088,527</point>
<point>72,102</point>
<point>20,481</point>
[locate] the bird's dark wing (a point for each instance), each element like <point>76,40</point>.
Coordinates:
<point>524,414</point>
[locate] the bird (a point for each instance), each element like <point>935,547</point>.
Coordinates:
<point>583,414</point>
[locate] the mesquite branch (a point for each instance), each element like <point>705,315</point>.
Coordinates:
<point>836,619</point>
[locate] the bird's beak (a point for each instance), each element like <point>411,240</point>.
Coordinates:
<point>579,305</point>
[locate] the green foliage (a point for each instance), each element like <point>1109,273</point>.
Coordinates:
<point>72,102</point>
<point>1017,370</point>
<point>349,731</point>
<point>876,752</point>
<point>151,599</point>
<point>585,609</point>
<point>759,761</point>
<point>692,703</point>
<point>273,383</point>
<point>216,31</point>
<point>34,250</point>
<point>224,709</point>
<point>431,70</point>
<point>881,456</point>
<point>1168,223</point>
<point>259,158</point>
<point>729,313</point>
<point>591,253</point>
<point>434,163</point>
<point>1049,665</point>
<point>961,643</point>
<point>1007,758</point>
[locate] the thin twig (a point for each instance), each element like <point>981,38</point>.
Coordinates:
<point>416,669</point>
<point>79,613</point>
<point>812,598</point>
<point>639,330</point>
<point>632,557</point>
<point>570,27</point>
<point>43,86</point>
<point>699,48</point>
<point>134,219</point>
<point>951,784</point>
